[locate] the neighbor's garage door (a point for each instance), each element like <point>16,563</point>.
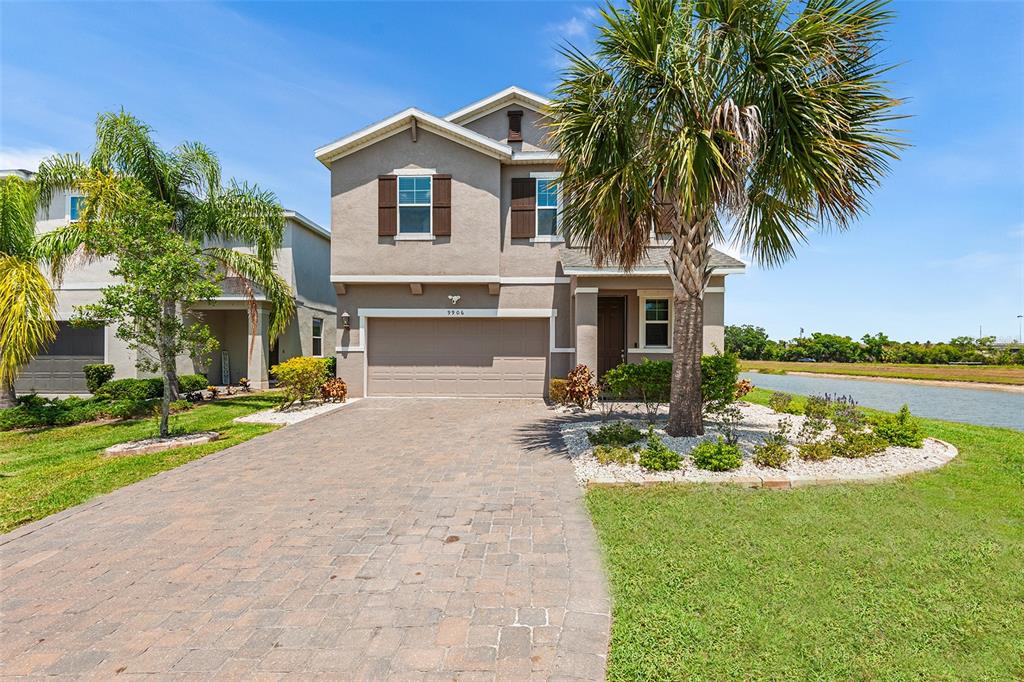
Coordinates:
<point>474,357</point>
<point>58,369</point>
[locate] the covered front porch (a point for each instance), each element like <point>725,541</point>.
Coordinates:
<point>244,351</point>
<point>627,318</point>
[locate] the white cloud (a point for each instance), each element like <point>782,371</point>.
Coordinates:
<point>573,28</point>
<point>26,158</point>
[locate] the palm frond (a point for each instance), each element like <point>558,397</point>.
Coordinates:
<point>252,273</point>
<point>27,306</point>
<point>59,173</point>
<point>240,214</point>
<point>17,216</point>
<point>125,147</point>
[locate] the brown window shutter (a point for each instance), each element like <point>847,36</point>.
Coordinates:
<point>515,126</point>
<point>442,199</point>
<point>387,205</point>
<point>524,208</point>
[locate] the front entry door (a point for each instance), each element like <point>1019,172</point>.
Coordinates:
<point>611,333</point>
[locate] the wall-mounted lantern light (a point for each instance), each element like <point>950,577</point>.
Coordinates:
<point>345,321</point>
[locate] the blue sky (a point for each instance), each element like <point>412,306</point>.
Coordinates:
<point>264,84</point>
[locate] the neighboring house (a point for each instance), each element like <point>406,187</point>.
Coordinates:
<point>452,277</point>
<point>303,260</point>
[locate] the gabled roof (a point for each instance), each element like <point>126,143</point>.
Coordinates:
<point>403,120</point>
<point>579,262</point>
<point>307,223</point>
<point>510,95</point>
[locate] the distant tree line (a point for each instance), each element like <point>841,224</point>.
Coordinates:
<point>752,343</point>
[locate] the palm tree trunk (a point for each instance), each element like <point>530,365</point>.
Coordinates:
<point>685,416</point>
<point>8,398</point>
<point>689,269</point>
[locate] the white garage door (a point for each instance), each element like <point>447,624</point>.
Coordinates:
<point>472,357</point>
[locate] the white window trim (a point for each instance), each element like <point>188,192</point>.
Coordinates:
<point>414,236</point>
<point>414,171</point>
<point>313,336</point>
<point>539,238</point>
<point>644,296</point>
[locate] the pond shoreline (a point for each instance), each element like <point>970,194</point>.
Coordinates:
<point>942,383</point>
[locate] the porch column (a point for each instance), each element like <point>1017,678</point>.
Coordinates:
<point>586,327</point>
<point>257,348</point>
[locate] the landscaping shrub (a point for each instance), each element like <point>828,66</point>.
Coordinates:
<point>580,389</point>
<point>815,451</point>
<point>774,451</point>
<point>657,456</point>
<point>899,429</point>
<point>130,408</point>
<point>728,417</point>
<point>301,378</point>
<point>743,387</point>
<point>190,383</point>
<point>860,444</point>
<point>614,454</point>
<point>650,381</point>
<point>132,389</point>
<point>33,411</point>
<point>719,374</point>
<point>334,390</point>
<point>619,433</point>
<point>779,401</point>
<point>331,363</point>
<point>716,455</point>
<point>97,375</point>
<point>556,391</point>
<point>180,406</point>
<point>846,417</point>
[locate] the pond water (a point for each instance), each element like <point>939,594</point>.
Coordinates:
<point>956,404</point>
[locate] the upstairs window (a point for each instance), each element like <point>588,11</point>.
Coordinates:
<point>75,209</point>
<point>414,204</point>
<point>655,330</point>
<point>318,337</point>
<point>547,208</point>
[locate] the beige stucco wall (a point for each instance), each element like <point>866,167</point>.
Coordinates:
<point>472,248</point>
<point>495,126</point>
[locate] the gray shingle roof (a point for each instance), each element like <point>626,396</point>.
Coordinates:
<point>653,260</point>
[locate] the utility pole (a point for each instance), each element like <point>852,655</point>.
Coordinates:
<point>1020,328</point>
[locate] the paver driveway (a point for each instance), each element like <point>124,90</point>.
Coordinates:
<point>399,539</point>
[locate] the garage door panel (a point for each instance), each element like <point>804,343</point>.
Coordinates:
<point>58,368</point>
<point>482,357</point>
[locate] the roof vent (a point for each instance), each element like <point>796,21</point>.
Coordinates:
<point>515,126</point>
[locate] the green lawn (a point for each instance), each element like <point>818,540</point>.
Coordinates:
<point>919,579</point>
<point>1012,375</point>
<point>46,470</point>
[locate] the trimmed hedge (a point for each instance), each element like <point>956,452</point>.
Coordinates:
<point>190,383</point>
<point>97,375</point>
<point>132,389</point>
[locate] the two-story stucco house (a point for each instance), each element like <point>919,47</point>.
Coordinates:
<point>451,275</point>
<point>303,260</point>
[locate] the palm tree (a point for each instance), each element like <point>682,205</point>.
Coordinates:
<point>694,115</point>
<point>188,180</point>
<point>27,302</point>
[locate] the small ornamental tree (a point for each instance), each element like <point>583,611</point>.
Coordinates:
<point>156,267</point>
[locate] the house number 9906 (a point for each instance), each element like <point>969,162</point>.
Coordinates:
<point>456,312</point>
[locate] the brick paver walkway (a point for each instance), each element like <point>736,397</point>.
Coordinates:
<point>398,539</point>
